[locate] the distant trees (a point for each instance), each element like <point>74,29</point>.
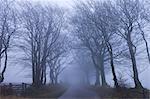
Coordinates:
<point>90,38</point>
<point>44,42</point>
<point>85,65</point>
<point>56,60</point>
<point>96,31</point>
<point>103,27</point>
<point>8,27</point>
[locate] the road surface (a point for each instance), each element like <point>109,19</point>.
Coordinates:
<point>79,93</point>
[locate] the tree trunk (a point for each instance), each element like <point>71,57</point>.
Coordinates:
<point>5,66</point>
<point>97,83</point>
<point>112,65</point>
<point>114,74</point>
<point>102,71</point>
<point>87,78</point>
<point>44,76</point>
<point>104,84</point>
<point>56,79</point>
<point>51,76</point>
<point>134,66</point>
<point>146,43</point>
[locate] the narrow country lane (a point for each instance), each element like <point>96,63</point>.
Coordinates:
<point>79,93</point>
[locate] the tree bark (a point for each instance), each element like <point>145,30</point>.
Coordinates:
<point>5,66</point>
<point>146,43</point>
<point>97,83</point>
<point>102,71</point>
<point>110,50</point>
<point>113,72</point>
<point>134,66</point>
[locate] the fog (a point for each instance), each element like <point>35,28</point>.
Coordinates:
<point>18,73</point>
<point>68,49</point>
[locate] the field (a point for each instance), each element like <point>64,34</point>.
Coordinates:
<point>50,92</point>
<point>121,93</point>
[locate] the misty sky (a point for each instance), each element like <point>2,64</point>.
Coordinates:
<point>63,3</point>
<point>20,73</point>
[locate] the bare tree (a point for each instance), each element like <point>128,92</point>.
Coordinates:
<point>129,14</point>
<point>106,24</point>
<point>87,33</point>
<point>8,27</point>
<point>98,25</point>
<point>145,40</point>
<point>42,27</point>
<point>56,59</point>
<point>143,23</point>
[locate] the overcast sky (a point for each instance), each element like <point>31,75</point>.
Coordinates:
<point>20,71</point>
<point>64,3</point>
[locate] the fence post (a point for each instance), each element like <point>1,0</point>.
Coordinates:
<point>23,87</point>
<point>144,97</point>
<point>10,89</point>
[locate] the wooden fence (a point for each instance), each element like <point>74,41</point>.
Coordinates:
<point>13,89</point>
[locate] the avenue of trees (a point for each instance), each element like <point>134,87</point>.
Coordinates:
<point>104,34</point>
<point>110,30</point>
